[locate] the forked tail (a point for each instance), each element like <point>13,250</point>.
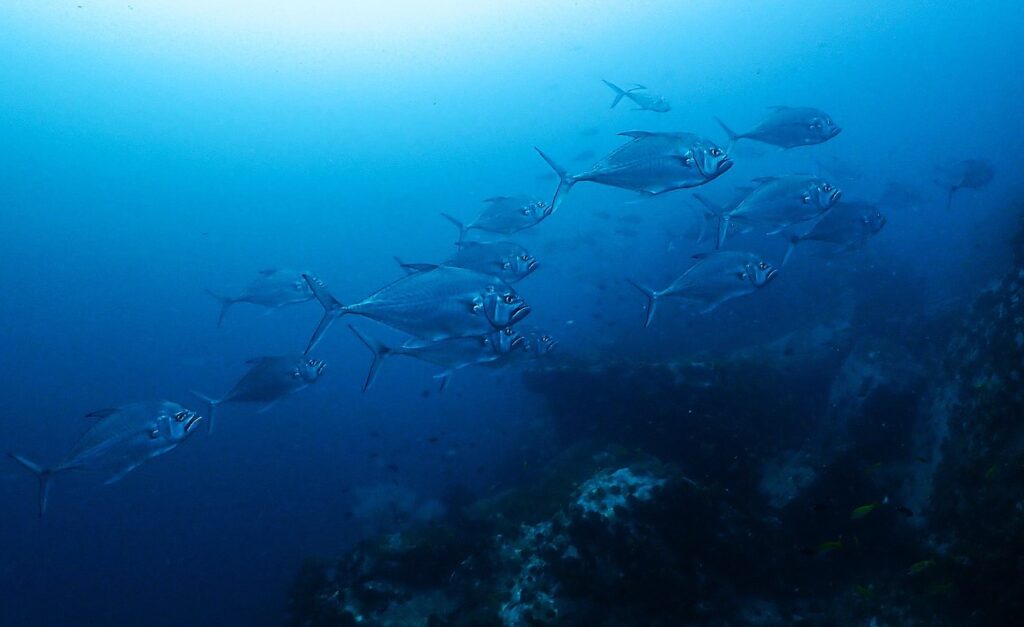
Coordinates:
<point>333,309</point>
<point>565,182</point>
<point>652,300</point>
<point>42,474</point>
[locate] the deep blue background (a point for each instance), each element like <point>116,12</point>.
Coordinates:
<point>149,152</point>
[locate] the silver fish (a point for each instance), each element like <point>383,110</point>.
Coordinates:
<point>508,261</point>
<point>968,174</point>
<point>536,345</point>
<point>643,98</point>
<point>652,163</point>
<point>777,203</point>
<point>789,127</point>
<point>268,380</point>
<point>272,288</point>
<point>121,439</point>
<point>504,215</point>
<point>451,354</point>
<point>715,278</point>
<point>433,305</point>
<point>848,225</point>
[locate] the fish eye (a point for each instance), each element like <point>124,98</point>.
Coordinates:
<point>806,199</point>
<point>524,257</point>
<point>762,265</point>
<point>544,338</point>
<point>180,416</point>
<point>526,211</point>
<point>508,330</point>
<point>509,299</point>
<point>715,152</point>
<point>827,187</point>
<point>506,266</point>
<point>541,204</point>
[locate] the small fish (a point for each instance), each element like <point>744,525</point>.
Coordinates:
<point>823,548</point>
<point>968,174</point>
<point>121,439</point>
<point>789,127</point>
<point>714,279</point>
<point>434,305</point>
<point>504,215</point>
<point>904,511</point>
<point>863,591</point>
<point>848,225</point>
<point>862,511</point>
<point>268,380</point>
<point>642,97</point>
<point>650,163</point>
<point>272,288</point>
<point>451,354</point>
<point>508,261</point>
<point>919,567</point>
<point>991,471</point>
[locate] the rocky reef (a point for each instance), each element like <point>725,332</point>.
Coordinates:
<point>839,476</point>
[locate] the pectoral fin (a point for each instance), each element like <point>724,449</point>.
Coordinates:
<point>121,473</point>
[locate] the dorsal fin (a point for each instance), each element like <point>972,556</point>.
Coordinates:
<point>413,268</point>
<point>268,271</point>
<point>637,134</point>
<point>254,360</point>
<point>102,413</point>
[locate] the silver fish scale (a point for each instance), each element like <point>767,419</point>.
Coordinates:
<point>436,303</point>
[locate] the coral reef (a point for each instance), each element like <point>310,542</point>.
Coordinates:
<point>838,477</point>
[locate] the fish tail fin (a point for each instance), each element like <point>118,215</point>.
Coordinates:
<point>333,309</point>
<point>42,474</point>
<point>379,349</point>
<point>458,225</point>
<point>565,181</point>
<point>733,135</point>
<point>212,404</point>
<point>225,304</point>
<point>619,92</point>
<point>716,214</point>
<point>793,241</point>
<point>652,300</point>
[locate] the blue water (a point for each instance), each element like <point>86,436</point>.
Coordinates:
<point>153,150</point>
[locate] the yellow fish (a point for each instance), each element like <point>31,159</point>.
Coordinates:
<point>863,511</point>
<point>919,567</point>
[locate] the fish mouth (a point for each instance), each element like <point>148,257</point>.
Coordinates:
<point>516,343</point>
<point>724,165</point>
<point>320,368</point>
<point>519,313</point>
<point>193,419</point>
<point>770,274</point>
<point>836,195</point>
<point>835,131</point>
<point>530,267</point>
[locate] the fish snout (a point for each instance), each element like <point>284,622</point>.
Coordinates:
<point>193,418</point>
<point>517,342</point>
<point>770,274</point>
<point>835,131</point>
<point>519,313</point>
<point>530,267</point>
<point>836,195</point>
<point>724,165</point>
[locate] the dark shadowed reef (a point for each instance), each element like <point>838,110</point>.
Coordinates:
<point>710,491</point>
